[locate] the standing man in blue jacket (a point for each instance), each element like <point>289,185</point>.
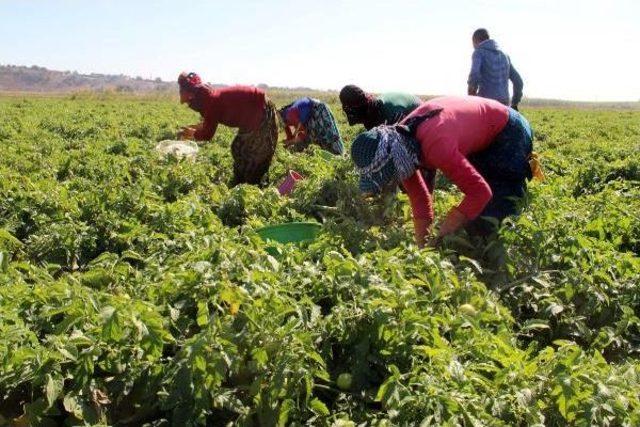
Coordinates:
<point>491,70</point>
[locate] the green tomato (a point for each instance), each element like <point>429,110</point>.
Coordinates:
<point>468,310</point>
<point>344,381</point>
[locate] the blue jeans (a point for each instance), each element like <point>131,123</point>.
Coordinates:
<point>505,167</point>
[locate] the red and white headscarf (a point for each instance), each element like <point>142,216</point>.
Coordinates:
<point>189,81</point>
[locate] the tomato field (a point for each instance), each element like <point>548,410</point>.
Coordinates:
<point>134,289</point>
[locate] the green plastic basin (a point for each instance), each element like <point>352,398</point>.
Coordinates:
<point>292,232</point>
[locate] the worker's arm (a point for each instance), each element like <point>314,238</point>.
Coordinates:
<point>474,75</point>
<point>300,141</point>
<point>421,206</point>
<point>445,156</point>
<point>187,132</point>
<point>287,131</point>
<point>301,133</point>
<point>461,172</point>
<point>292,121</point>
<point>206,131</point>
<point>518,84</point>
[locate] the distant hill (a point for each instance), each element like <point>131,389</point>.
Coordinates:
<point>19,78</point>
<point>15,78</point>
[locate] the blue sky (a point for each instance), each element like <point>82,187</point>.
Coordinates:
<point>580,50</point>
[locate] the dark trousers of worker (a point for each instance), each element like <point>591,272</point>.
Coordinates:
<point>505,167</point>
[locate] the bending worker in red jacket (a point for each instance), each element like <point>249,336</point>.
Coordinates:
<point>480,145</point>
<point>243,107</point>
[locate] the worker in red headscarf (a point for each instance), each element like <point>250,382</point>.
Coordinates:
<point>244,107</point>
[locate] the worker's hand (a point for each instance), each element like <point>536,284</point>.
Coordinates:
<point>434,242</point>
<point>452,222</point>
<point>301,133</point>
<point>421,228</point>
<point>368,197</point>
<point>187,133</point>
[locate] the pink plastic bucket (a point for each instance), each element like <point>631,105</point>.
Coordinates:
<point>289,183</point>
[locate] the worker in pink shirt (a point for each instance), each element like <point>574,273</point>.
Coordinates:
<point>480,145</point>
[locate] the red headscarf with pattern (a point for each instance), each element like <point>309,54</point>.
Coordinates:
<point>189,81</point>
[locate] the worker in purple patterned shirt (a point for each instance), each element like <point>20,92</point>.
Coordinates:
<point>491,70</point>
